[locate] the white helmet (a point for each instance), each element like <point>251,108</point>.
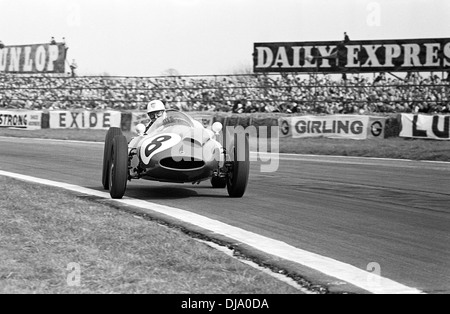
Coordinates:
<point>156,109</point>
<point>155,105</point>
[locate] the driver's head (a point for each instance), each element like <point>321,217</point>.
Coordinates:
<point>155,109</point>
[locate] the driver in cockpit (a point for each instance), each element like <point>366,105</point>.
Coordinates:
<point>155,110</point>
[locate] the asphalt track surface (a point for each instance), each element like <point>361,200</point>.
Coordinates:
<point>357,211</point>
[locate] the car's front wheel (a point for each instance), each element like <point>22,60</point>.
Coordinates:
<point>239,175</point>
<point>118,169</point>
<point>112,133</point>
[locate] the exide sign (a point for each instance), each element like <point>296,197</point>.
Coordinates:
<point>354,56</point>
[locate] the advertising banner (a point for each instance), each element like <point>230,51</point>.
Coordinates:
<point>333,126</point>
<point>40,58</point>
<point>354,56</point>
<point>377,127</point>
<point>85,120</point>
<point>435,127</point>
<point>285,127</point>
<point>28,120</point>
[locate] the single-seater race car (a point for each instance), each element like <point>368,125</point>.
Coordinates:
<point>177,149</point>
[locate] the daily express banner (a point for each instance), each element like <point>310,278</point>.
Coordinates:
<point>355,56</point>
<point>333,126</point>
<point>29,120</point>
<point>85,120</point>
<point>435,127</point>
<point>43,58</point>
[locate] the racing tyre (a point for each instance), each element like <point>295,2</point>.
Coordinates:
<point>118,168</point>
<point>238,177</point>
<point>112,133</point>
<point>218,183</point>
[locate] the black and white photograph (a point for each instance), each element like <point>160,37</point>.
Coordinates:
<point>224,155</point>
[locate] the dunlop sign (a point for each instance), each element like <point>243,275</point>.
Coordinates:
<point>45,58</point>
<point>354,56</point>
<point>436,127</point>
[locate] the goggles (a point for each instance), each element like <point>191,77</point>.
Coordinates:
<point>155,115</point>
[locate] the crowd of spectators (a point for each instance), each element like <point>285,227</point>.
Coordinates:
<point>283,93</point>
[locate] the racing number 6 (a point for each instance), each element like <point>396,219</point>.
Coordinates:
<point>156,144</point>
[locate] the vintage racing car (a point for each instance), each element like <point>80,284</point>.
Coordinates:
<point>177,149</point>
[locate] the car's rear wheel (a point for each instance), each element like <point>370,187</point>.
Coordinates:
<point>118,168</point>
<point>239,175</point>
<point>112,133</point>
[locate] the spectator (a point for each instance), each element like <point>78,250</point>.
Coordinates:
<point>346,38</point>
<point>379,78</point>
<point>241,94</point>
<point>73,67</point>
<point>52,41</point>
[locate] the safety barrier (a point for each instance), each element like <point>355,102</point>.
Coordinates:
<point>415,126</point>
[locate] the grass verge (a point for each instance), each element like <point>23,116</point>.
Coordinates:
<point>42,233</point>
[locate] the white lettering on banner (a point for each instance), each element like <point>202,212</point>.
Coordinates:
<point>325,52</point>
<point>392,52</point>
<point>423,126</point>
<point>33,58</point>
<point>412,52</point>
<point>432,55</point>
<point>53,56</point>
<point>281,60</point>
<point>40,59</point>
<point>353,59</point>
<point>3,59</point>
<point>296,58</point>
<point>308,63</point>
<point>362,55</point>
<point>85,120</point>
<point>372,61</point>
<point>15,59</point>
<point>336,126</point>
<point>28,65</point>
<point>447,55</point>
<point>265,57</point>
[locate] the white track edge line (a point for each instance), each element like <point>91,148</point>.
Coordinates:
<point>348,273</point>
